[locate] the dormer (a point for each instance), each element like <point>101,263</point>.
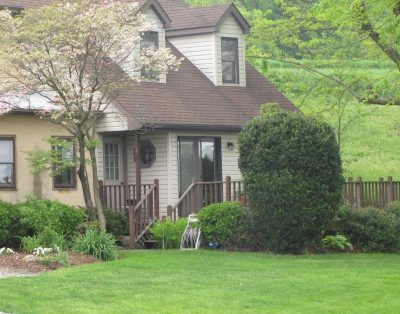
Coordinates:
<point>212,38</point>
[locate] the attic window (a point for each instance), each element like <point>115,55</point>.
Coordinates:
<point>230,60</point>
<point>149,41</point>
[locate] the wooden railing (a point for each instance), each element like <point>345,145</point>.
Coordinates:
<point>119,197</point>
<point>143,215</point>
<point>201,194</point>
<point>378,194</point>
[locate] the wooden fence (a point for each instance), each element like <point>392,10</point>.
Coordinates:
<point>360,194</point>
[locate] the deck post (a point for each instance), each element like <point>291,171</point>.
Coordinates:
<point>193,197</point>
<point>228,193</point>
<point>138,165</point>
<point>132,226</point>
<point>157,198</point>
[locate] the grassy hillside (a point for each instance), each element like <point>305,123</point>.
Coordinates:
<point>370,141</point>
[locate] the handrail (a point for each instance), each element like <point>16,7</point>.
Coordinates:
<point>184,195</point>
<point>143,199</point>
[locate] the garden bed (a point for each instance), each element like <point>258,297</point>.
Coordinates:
<point>24,264</point>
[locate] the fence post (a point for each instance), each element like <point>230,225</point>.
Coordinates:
<point>390,190</point>
<point>359,193</point>
<point>350,191</point>
<point>381,193</point>
<point>157,198</point>
<point>228,193</point>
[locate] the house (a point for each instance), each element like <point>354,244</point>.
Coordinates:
<point>180,128</point>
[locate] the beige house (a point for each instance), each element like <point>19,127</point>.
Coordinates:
<point>183,127</point>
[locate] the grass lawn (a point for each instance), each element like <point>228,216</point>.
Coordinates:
<point>213,282</point>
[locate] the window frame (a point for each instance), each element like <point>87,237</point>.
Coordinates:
<point>120,172</point>
<point>236,79</point>
<point>12,186</point>
<point>143,74</point>
<point>73,184</point>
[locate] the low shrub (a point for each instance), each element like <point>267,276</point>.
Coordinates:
<point>12,228</point>
<point>98,243</point>
<point>117,224</point>
<point>337,242</point>
<point>169,233</point>
<point>39,214</point>
<point>29,244</point>
<point>52,260</point>
<point>371,229</point>
<point>222,223</point>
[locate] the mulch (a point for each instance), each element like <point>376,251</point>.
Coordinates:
<point>15,263</point>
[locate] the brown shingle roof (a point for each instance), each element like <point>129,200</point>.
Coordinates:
<point>189,99</point>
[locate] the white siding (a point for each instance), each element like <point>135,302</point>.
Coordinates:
<point>200,50</point>
<point>230,28</point>
<point>112,121</point>
<point>230,165</point>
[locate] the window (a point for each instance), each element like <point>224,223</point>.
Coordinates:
<point>111,161</point>
<point>7,162</point>
<point>149,41</point>
<point>65,169</point>
<point>147,154</point>
<point>230,60</point>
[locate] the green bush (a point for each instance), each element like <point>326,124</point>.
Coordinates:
<point>222,223</point>
<point>40,214</point>
<point>28,244</point>
<point>337,242</point>
<point>116,223</point>
<point>293,177</point>
<point>169,233</point>
<point>371,229</point>
<point>12,229</point>
<point>100,244</point>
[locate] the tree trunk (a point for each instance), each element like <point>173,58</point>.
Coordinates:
<point>83,177</point>
<point>96,190</point>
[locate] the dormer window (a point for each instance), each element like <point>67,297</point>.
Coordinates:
<point>149,41</point>
<point>230,60</point>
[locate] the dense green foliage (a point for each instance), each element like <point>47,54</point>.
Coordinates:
<point>11,226</point>
<point>117,224</point>
<point>98,243</point>
<point>222,223</point>
<point>293,177</point>
<point>168,233</point>
<point>371,229</point>
<point>40,214</point>
<point>38,217</point>
<point>337,242</point>
<point>213,282</point>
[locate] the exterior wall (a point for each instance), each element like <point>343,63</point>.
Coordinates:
<point>112,121</point>
<point>30,133</point>
<point>166,167</point>
<point>200,50</point>
<point>230,165</point>
<point>230,28</point>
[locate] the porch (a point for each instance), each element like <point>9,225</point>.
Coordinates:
<point>142,202</point>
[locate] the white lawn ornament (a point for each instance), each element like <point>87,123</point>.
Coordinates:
<point>191,237</point>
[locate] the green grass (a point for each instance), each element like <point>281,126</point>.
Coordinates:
<point>213,282</point>
<point>371,138</point>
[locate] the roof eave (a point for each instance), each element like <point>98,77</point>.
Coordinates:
<point>234,11</point>
<point>159,10</point>
<point>198,127</point>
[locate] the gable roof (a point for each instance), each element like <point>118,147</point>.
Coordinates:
<point>190,100</point>
<point>196,20</point>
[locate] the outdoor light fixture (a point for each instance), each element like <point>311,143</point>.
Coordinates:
<point>230,145</point>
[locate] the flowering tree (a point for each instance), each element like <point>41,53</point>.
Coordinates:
<point>71,53</point>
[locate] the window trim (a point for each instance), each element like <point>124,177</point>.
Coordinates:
<point>12,186</point>
<point>117,141</point>
<point>236,79</point>
<point>73,185</point>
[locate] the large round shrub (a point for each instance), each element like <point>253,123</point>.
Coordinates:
<point>293,178</point>
<point>11,226</point>
<point>222,223</point>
